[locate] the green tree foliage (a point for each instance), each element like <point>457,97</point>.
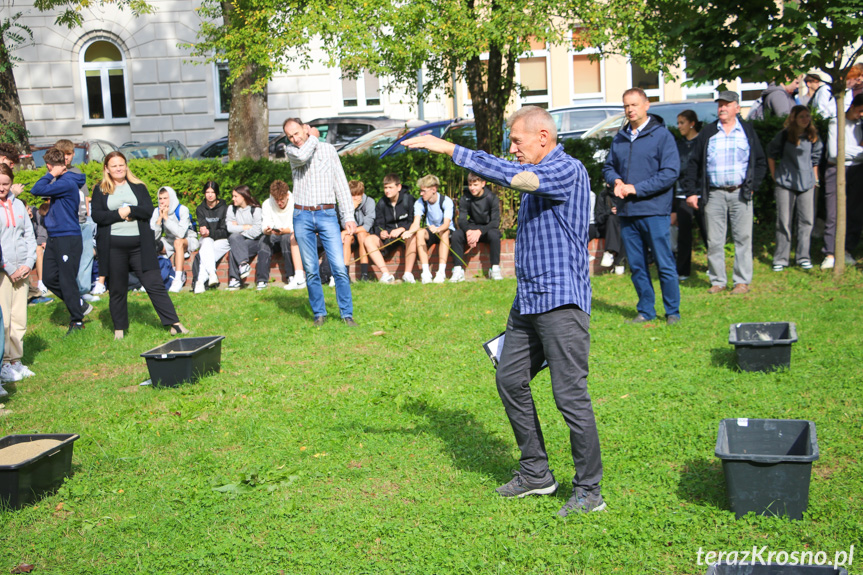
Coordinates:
<point>477,41</point>
<point>764,39</point>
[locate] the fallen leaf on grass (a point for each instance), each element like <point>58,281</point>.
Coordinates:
<point>321,454</point>
<point>177,413</point>
<point>381,332</point>
<point>23,568</point>
<point>303,448</point>
<point>624,396</point>
<point>5,412</point>
<point>59,507</point>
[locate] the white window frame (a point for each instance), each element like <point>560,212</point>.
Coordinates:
<point>747,86</point>
<point>652,93</point>
<point>533,100</point>
<point>361,106</point>
<point>585,98</point>
<point>103,68</point>
<point>217,92</point>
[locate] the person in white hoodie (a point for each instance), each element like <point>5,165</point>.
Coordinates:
<point>244,227</point>
<point>18,245</point>
<point>277,221</point>
<point>172,223</point>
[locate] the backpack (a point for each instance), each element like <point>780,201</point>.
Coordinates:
<point>441,200</point>
<point>193,223</point>
<point>756,112</point>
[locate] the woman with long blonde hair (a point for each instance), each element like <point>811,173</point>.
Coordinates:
<point>797,150</point>
<point>122,208</point>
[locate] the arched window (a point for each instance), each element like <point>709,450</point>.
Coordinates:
<point>103,70</point>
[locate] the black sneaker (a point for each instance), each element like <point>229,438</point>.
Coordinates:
<point>86,311</point>
<point>638,319</point>
<point>519,486</point>
<point>583,501</point>
<point>349,321</point>
<point>75,326</point>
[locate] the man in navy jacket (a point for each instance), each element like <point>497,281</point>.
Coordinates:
<point>641,168</point>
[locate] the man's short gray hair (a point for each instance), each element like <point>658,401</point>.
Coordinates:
<point>535,119</point>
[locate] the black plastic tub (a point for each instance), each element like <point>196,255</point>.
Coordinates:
<point>774,569</point>
<point>24,482</point>
<point>763,346</point>
<point>184,360</point>
<point>767,464</point>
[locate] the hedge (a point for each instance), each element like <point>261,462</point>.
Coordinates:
<point>187,177</point>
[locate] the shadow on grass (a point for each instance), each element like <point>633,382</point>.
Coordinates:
<point>33,346</point>
<point>702,482</point>
<point>471,447</point>
<point>724,357</point>
<point>620,310</point>
<point>298,306</point>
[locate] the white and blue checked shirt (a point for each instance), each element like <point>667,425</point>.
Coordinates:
<point>727,157</point>
<point>319,177</point>
<point>551,259</point>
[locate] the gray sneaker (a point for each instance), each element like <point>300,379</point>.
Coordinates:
<point>519,486</point>
<point>583,501</point>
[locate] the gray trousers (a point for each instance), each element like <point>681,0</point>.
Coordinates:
<point>721,208</point>
<point>561,337</point>
<point>788,205</point>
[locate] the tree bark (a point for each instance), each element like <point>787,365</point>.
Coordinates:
<point>490,90</point>
<point>13,128</point>
<point>248,123</point>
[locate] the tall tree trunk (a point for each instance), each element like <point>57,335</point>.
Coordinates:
<point>248,124</point>
<point>490,85</point>
<point>839,251</point>
<point>13,128</point>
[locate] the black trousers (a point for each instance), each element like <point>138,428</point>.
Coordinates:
<point>686,217</point>
<point>613,243</point>
<point>491,237</point>
<point>60,272</point>
<point>266,243</point>
<point>125,255</point>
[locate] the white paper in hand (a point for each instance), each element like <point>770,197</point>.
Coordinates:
<point>494,349</point>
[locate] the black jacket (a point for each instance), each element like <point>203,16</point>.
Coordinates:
<point>389,217</point>
<point>105,217</point>
<point>696,183</point>
<point>213,219</point>
<point>482,213</point>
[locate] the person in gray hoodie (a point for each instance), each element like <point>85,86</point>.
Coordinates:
<point>798,151</point>
<point>18,245</point>
<point>172,223</point>
<point>244,227</point>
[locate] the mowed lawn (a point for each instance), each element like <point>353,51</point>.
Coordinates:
<point>377,449</point>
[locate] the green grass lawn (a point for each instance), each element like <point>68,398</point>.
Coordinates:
<point>377,449</point>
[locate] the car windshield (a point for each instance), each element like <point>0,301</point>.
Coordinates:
<point>706,112</point>
<point>375,142</point>
<point>39,157</point>
<point>149,151</point>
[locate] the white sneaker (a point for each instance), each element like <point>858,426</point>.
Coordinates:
<point>849,259</point>
<point>828,263</point>
<point>43,289</point>
<point>261,286</point>
<point>294,283</point>
<point>388,279</point>
<point>177,284</point>
<point>98,289</point>
<point>409,278</point>
<point>200,287</point>
<point>213,280</point>
<point>234,284</point>
<point>607,260</point>
<point>8,374</point>
<point>440,277</point>
<point>332,281</point>
<point>22,369</point>
<point>90,297</point>
<point>457,274</point>
<point>495,273</point>
<point>619,270</point>
<point>426,277</point>
<point>245,270</point>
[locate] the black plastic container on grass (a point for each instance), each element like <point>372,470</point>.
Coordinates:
<point>773,569</point>
<point>763,346</point>
<point>767,464</point>
<point>184,360</point>
<point>24,482</point>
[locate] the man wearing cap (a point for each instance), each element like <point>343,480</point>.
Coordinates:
<point>320,184</point>
<point>726,167</point>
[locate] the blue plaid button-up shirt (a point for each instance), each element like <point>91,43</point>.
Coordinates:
<point>551,259</point>
<point>319,177</point>
<point>727,157</point>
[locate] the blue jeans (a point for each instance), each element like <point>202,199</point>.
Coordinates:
<point>85,268</point>
<point>324,223</point>
<point>639,233</point>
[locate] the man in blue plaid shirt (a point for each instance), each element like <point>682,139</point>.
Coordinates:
<point>550,317</point>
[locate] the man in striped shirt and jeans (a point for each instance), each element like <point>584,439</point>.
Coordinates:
<point>320,184</point>
<point>550,317</point>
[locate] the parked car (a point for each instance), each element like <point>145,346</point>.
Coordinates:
<point>339,131</point>
<point>167,150</point>
<point>463,133</point>
<point>85,152</point>
<point>573,121</point>
<point>218,148</point>
<point>387,141</point>
<point>668,111</point>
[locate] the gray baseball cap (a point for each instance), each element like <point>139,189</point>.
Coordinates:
<point>728,96</point>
